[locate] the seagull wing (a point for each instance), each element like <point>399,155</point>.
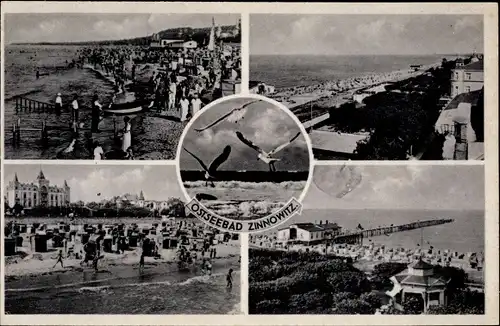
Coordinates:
<point>248,143</point>
<point>216,121</point>
<point>248,103</point>
<point>225,116</point>
<point>279,148</point>
<point>219,160</point>
<point>199,161</point>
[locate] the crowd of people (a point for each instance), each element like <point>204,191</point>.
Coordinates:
<point>171,82</point>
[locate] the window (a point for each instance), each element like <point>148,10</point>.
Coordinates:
<point>467,89</point>
<point>467,76</point>
<point>456,75</point>
<point>434,296</point>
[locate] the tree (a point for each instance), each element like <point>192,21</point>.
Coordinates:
<point>373,299</point>
<point>310,302</point>
<point>175,208</point>
<point>353,307</point>
<point>413,305</point>
<point>269,307</point>
<point>462,302</point>
<point>477,117</point>
<point>383,272</point>
<point>17,209</point>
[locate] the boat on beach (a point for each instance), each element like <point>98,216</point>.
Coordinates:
<point>124,108</point>
<point>125,104</point>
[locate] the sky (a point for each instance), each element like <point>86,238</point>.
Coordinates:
<point>365,34</point>
<point>438,187</point>
<point>266,125</point>
<point>60,27</point>
<point>157,182</point>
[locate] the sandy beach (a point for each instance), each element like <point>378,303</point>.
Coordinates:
<point>366,257</point>
<point>326,95</point>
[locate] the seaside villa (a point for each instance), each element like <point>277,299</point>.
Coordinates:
<point>454,121</point>
<point>421,281</point>
<point>467,78</point>
<point>38,193</point>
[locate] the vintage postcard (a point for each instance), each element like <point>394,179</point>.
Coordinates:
<point>225,163</point>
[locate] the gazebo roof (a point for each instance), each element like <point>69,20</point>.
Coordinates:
<point>420,264</point>
<point>424,280</point>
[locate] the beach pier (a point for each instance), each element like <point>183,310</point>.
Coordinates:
<point>26,105</point>
<point>358,236</point>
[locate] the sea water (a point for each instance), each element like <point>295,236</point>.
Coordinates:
<point>303,70</point>
<point>21,65</point>
<point>167,292</point>
<point>465,234</point>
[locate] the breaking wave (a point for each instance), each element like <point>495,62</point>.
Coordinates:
<point>244,209</point>
<point>290,185</point>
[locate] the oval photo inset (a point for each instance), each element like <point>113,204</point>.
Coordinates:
<point>244,164</point>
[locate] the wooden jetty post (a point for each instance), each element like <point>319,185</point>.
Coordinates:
<point>115,131</point>
<point>45,134</point>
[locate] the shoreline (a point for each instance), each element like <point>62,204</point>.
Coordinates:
<point>339,91</point>
<point>40,264</point>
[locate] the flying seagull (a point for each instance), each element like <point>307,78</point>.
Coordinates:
<point>210,171</point>
<point>234,115</point>
<point>266,156</point>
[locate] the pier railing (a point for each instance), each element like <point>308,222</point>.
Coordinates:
<point>26,105</point>
<point>359,235</point>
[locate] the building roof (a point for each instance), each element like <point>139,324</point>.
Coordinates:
<point>40,176</point>
<point>310,227</point>
<point>330,226</point>
<point>420,264</point>
<point>470,97</point>
<point>474,66</point>
<point>407,278</point>
<point>424,280</point>
<point>334,141</point>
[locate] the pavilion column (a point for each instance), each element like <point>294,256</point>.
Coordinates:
<point>424,296</point>
<point>442,298</point>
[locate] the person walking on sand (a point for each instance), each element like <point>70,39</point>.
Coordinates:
<point>127,136</point>
<point>58,106</point>
<point>184,107</point>
<point>229,278</point>
<point>172,95</point>
<point>196,104</point>
<point>59,259</point>
<point>98,151</point>
<point>75,108</point>
<point>96,113</point>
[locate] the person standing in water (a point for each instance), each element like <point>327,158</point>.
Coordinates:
<point>96,113</point>
<point>58,106</point>
<point>94,262</point>
<point>75,107</point>
<point>141,263</point>
<point>59,259</point>
<point>127,136</point>
<point>229,278</point>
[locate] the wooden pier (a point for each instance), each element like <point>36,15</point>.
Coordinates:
<point>27,106</point>
<point>358,236</point>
